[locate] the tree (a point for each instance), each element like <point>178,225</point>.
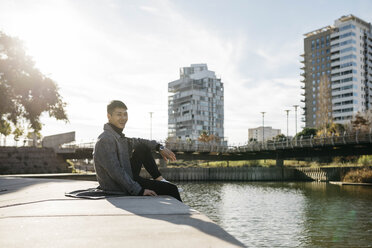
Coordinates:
<point>208,138</point>
<point>5,129</point>
<point>361,122</point>
<point>337,129</point>
<point>25,93</point>
<point>307,131</point>
<point>331,129</point>
<point>280,137</point>
<point>324,104</point>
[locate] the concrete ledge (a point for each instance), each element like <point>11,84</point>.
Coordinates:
<point>347,183</point>
<point>71,176</point>
<point>36,213</point>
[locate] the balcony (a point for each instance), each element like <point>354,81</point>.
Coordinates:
<point>334,56</point>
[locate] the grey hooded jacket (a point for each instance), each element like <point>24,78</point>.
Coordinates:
<point>111,156</point>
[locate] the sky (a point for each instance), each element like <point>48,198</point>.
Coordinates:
<point>97,51</point>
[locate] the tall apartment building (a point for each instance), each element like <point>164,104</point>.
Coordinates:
<point>196,104</point>
<point>259,133</point>
<point>337,71</point>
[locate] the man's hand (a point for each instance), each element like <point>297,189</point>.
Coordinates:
<point>149,192</point>
<point>168,154</point>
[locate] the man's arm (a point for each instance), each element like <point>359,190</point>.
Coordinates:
<point>167,154</point>
<point>106,156</point>
<point>153,145</point>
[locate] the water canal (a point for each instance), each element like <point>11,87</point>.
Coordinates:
<point>286,214</point>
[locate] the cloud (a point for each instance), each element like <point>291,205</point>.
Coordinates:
<point>129,51</point>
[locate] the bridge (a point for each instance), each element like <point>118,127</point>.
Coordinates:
<point>348,144</point>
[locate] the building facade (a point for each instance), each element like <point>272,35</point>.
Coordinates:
<point>337,72</point>
<point>260,133</point>
<point>196,104</point>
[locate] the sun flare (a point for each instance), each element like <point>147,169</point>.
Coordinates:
<point>50,36</point>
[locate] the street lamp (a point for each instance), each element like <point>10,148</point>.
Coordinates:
<point>151,124</point>
<point>287,110</point>
<point>296,106</point>
<point>263,127</point>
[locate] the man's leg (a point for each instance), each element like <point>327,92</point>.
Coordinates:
<point>161,188</point>
<point>142,156</point>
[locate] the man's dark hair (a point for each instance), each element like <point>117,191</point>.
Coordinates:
<point>115,104</point>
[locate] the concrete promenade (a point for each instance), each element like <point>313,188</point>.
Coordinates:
<point>36,213</point>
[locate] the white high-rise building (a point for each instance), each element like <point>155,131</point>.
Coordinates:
<point>351,64</point>
<point>196,104</point>
<point>342,55</point>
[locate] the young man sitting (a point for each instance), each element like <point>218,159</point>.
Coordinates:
<point>118,160</point>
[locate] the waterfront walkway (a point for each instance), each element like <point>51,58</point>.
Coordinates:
<point>36,213</point>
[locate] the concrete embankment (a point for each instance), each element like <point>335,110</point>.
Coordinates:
<point>36,213</point>
<point>18,160</point>
<point>255,174</point>
<point>324,174</point>
<point>226,174</point>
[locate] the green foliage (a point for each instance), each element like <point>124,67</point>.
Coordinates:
<point>18,132</point>
<point>280,137</point>
<point>307,131</point>
<point>363,175</point>
<point>336,129</point>
<point>71,166</point>
<point>365,160</point>
<point>5,128</point>
<point>25,93</point>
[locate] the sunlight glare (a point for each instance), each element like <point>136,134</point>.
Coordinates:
<point>52,37</point>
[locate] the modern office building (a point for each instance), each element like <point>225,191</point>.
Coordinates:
<point>196,104</point>
<point>260,133</point>
<point>337,71</point>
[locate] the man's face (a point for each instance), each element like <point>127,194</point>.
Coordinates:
<point>118,118</point>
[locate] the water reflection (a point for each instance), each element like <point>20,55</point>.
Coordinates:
<point>264,214</point>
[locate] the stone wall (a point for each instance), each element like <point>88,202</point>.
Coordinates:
<point>25,160</point>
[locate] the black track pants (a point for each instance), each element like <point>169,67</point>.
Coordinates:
<point>142,156</point>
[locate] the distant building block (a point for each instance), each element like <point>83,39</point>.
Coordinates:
<point>55,141</point>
